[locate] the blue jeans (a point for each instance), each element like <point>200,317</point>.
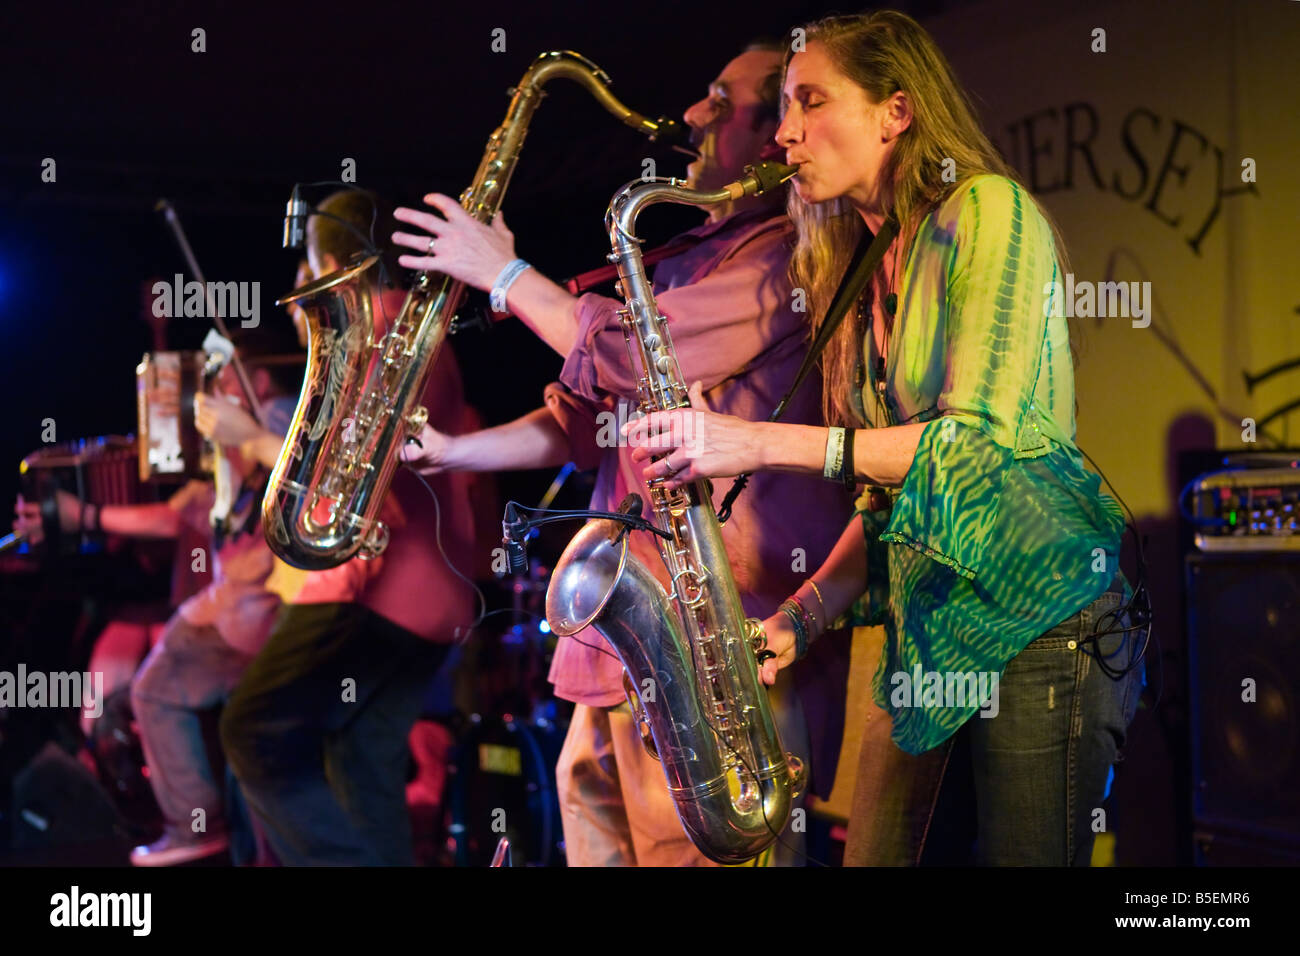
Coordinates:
<point>189,672</point>
<point>1024,787</point>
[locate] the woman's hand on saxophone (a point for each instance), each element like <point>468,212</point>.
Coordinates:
<point>780,641</point>
<point>455,243</point>
<point>694,442</point>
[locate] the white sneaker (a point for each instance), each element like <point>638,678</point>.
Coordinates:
<point>168,852</point>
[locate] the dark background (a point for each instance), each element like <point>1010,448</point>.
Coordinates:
<point>410,91</point>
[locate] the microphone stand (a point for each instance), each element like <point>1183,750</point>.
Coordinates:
<point>245,384</point>
<point>225,482</point>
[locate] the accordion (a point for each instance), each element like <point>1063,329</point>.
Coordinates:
<point>170,447</point>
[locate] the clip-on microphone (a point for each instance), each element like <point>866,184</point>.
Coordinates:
<point>632,506</point>
<point>295,221</point>
<point>514,531</point>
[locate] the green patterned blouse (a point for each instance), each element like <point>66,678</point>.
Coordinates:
<point>998,532</point>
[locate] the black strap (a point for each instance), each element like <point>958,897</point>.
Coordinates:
<point>871,249</point>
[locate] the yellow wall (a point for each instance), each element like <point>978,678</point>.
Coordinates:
<point>1228,73</point>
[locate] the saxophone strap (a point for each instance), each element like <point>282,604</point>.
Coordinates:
<point>867,256</point>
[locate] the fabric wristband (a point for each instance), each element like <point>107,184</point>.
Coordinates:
<point>505,279</point>
<point>834,454</point>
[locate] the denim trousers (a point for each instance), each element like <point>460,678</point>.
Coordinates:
<point>1024,787</point>
<point>317,730</point>
<point>189,672</point>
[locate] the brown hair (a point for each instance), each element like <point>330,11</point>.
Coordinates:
<point>885,52</point>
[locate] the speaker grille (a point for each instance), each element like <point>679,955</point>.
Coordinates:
<point>1244,678</point>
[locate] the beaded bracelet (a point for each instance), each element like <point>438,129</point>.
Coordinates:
<point>800,632</point>
<point>804,625</point>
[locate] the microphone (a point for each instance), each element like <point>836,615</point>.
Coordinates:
<point>514,530</point>
<point>631,505</point>
<point>295,221</point>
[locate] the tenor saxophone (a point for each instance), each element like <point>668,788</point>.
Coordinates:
<point>688,655</point>
<point>362,387</point>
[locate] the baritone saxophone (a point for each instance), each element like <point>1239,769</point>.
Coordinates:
<point>360,398</point>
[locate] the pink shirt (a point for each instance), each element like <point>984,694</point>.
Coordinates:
<point>728,305</point>
<point>411,583</point>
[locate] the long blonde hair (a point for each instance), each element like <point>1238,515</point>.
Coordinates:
<point>885,52</point>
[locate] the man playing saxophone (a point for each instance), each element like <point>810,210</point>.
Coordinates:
<point>317,729</point>
<point>736,334</point>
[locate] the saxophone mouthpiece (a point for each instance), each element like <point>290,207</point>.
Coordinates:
<point>761,178</point>
<point>675,135</point>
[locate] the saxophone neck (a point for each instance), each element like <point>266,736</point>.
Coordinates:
<point>759,179</point>
<point>579,69</point>
<point>660,383</point>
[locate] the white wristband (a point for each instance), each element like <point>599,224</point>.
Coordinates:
<point>505,279</point>
<point>834,453</point>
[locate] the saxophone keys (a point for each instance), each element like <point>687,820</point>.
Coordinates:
<point>798,774</point>
<point>374,542</point>
<point>416,420</point>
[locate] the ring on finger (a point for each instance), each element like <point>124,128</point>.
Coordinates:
<point>429,250</point>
